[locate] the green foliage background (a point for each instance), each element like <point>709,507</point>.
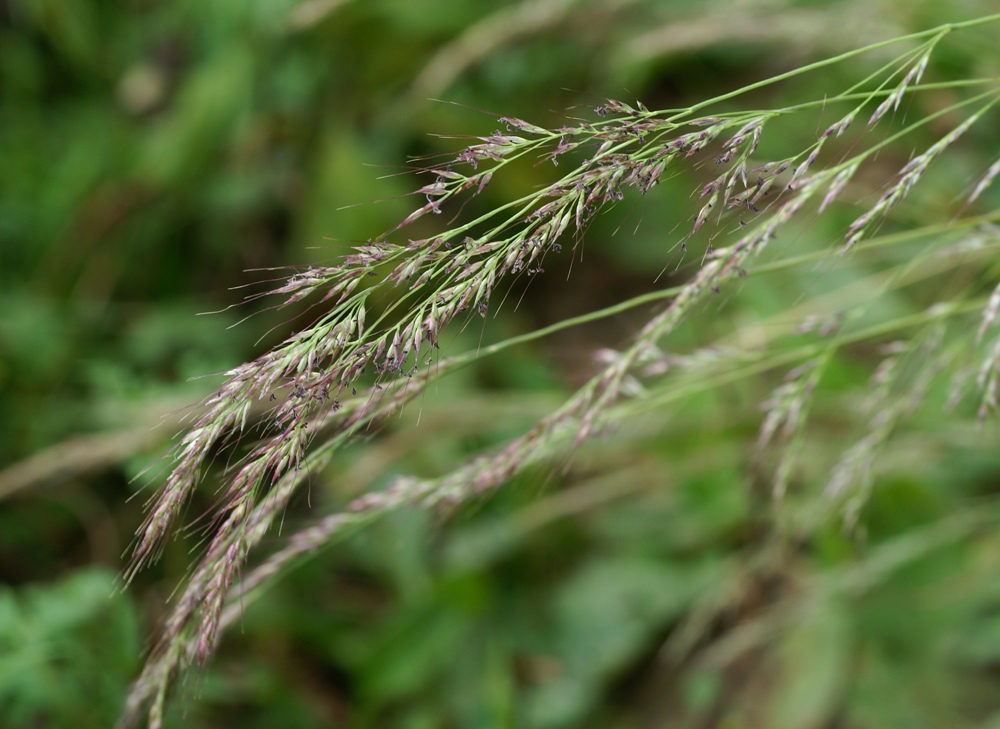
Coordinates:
<point>156,155</point>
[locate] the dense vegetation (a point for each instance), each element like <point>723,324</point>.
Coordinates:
<point>675,412</point>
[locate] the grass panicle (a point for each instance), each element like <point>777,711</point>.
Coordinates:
<point>388,303</point>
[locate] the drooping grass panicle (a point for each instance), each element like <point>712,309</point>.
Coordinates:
<point>898,386</point>
<point>988,374</point>
<point>786,413</point>
<point>438,279</point>
<point>392,298</point>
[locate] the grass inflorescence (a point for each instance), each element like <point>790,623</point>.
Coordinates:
<point>358,365</point>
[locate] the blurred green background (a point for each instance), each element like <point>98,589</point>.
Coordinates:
<point>157,156</point>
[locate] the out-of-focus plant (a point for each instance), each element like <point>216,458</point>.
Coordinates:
<point>388,309</point>
<point>68,629</point>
